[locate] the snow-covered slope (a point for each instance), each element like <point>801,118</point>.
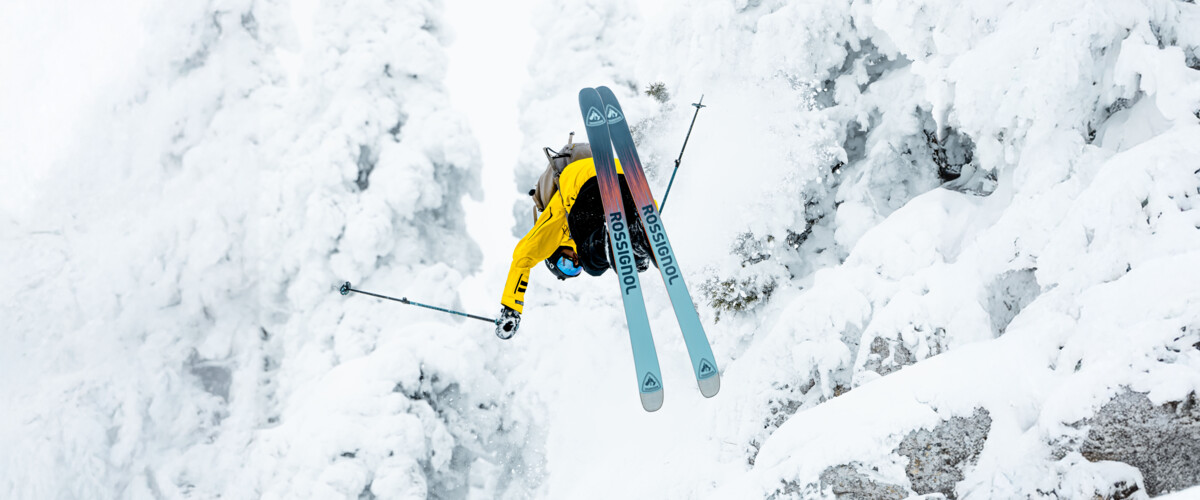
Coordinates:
<point>940,248</point>
<point>1050,272</point>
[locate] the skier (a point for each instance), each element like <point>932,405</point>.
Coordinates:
<point>570,234</point>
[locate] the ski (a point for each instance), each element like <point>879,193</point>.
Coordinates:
<point>645,359</point>
<point>703,362</point>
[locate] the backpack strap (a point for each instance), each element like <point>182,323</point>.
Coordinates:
<point>556,161</point>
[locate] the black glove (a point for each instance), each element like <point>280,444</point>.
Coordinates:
<point>507,325</point>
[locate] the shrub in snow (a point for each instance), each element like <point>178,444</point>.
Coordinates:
<point>733,295</point>
<point>658,90</point>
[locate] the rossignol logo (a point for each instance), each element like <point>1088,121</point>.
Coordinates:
<point>707,369</point>
<point>614,115</point>
<point>622,253</point>
<point>662,249</point>
<point>594,118</point>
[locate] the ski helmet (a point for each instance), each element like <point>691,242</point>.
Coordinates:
<point>562,267</point>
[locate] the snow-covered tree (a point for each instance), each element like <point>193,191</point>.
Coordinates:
<point>178,315</point>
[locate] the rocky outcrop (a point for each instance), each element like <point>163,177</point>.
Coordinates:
<point>938,456</point>
<point>1163,442</point>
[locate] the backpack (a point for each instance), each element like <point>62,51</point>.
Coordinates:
<point>547,184</point>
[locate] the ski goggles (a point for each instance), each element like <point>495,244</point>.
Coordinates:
<point>567,266</point>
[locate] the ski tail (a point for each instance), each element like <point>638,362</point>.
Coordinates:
<point>645,358</point>
<point>703,362</point>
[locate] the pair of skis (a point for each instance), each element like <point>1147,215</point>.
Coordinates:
<point>605,122</point>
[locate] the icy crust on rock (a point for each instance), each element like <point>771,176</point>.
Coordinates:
<point>177,331</point>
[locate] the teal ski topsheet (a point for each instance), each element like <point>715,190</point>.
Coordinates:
<point>703,362</point>
<point>645,359</point>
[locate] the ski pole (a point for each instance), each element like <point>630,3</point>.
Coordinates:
<point>698,105</point>
<point>345,289</point>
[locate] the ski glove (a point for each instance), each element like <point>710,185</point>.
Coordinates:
<point>507,325</point>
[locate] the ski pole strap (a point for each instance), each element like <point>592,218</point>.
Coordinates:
<point>346,289</point>
<point>697,105</point>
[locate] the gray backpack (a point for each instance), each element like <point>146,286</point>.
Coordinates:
<point>547,184</point>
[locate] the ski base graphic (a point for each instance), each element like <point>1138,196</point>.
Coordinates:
<point>703,365</point>
<point>645,359</point>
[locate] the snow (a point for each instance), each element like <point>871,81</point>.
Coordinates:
<point>894,217</point>
<point>484,47</point>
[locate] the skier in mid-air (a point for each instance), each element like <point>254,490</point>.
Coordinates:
<point>579,230</point>
<point>570,234</point>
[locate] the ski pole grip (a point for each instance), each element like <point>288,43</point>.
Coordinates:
<point>345,288</point>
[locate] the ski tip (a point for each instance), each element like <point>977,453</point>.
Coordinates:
<point>652,401</point>
<point>710,386</point>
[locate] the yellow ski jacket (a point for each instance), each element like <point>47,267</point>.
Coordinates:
<point>549,232</point>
